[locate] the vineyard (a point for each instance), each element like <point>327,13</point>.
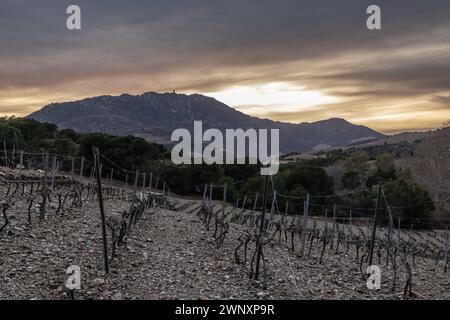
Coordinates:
<point>133,239</point>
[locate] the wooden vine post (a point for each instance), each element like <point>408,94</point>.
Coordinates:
<point>20,168</point>
<point>447,242</point>
<point>144,175</point>
<point>150,183</point>
<point>272,208</point>
<point>374,230</point>
<point>136,178</point>
<point>255,202</point>
<point>6,154</point>
<point>222,217</point>
<point>205,189</point>
<point>261,229</point>
<point>304,225</point>
<point>44,187</point>
<point>81,167</point>
<point>102,210</point>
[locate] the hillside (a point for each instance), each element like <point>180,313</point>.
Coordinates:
<point>409,137</point>
<point>429,166</point>
<point>154,116</point>
<point>170,254</point>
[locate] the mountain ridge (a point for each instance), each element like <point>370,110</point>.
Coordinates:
<point>154,116</point>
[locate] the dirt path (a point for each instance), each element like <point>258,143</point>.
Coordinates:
<point>174,258</point>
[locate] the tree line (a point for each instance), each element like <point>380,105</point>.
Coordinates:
<point>294,180</point>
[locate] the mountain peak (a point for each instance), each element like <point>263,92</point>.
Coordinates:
<point>154,116</point>
<point>334,121</point>
<point>338,120</point>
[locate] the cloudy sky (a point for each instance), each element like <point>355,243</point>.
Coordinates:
<point>296,61</point>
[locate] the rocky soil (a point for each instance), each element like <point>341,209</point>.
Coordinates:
<point>170,255</point>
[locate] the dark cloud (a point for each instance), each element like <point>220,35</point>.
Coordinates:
<point>203,46</point>
<point>442,100</point>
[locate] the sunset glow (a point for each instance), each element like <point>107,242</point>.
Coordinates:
<point>312,64</point>
<point>271,97</point>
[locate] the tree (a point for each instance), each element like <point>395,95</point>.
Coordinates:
<point>131,152</point>
<point>180,182</point>
<point>385,167</point>
<point>431,166</point>
<point>384,170</point>
<point>33,131</point>
<point>351,180</point>
<point>312,179</point>
<point>200,174</point>
<point>356,170</point>
<point>69,134</point>
<point>408,199</point>
<point>11,136</point>
<point>65,147</point>
<point>357,162</point>
<point>91,140</point>
<point>253,186</point>
<point>231,190</point>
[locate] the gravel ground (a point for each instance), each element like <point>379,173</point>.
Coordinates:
<point>170,255</point>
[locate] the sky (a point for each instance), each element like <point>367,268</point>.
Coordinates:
<point>287,60</point>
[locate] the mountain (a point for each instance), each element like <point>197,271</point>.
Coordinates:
<point>154,116</point>
<point>407,136</point>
